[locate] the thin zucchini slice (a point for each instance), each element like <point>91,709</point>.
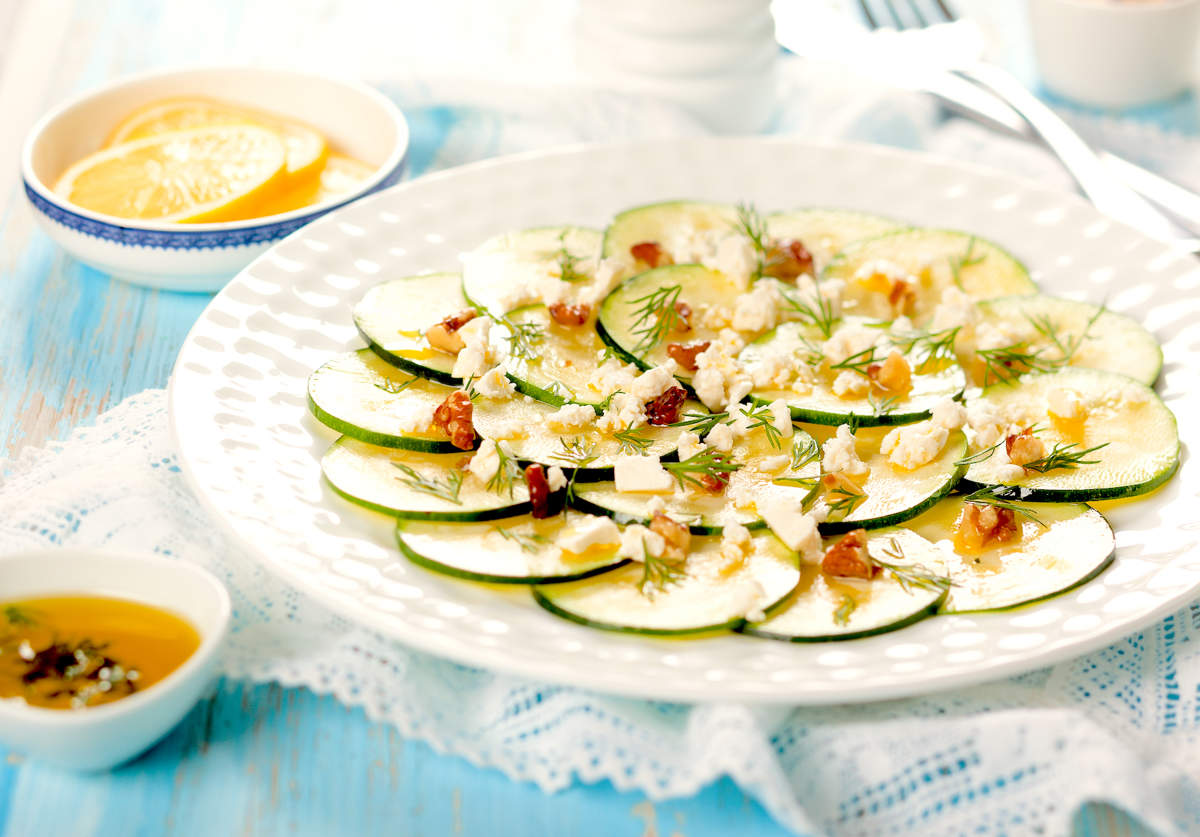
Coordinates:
<point>706,513</point>
<point>1105,340</point>
<point>824,608</point>
<point>394,315</point>
<point>625,321</point>
<point>520,550</point>
<point>360,395</point>
<point>1071,545</point>
<point>562,366</point>
<point>824,232</point>
<point>817,403</point>
<point>711,594</point>
<point>1138,433</point>
<point>662,223</point>
<point>939,259</point>
<point>522,423</point>
<point>416,486</point>
<point>514,269</point>
<point>891,494</point>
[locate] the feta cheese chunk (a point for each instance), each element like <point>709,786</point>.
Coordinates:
<point>733,255</point>
<point>612,376</point>
<point>1065,404</point>
<point>956,310</point>
<point>850,384</point>
<point>478,352</point>
<point>653,383</point>
<point>839,455</point>
<point>914,445</point>
<point>495,384</point>
<point>781,418</point>
<point>415,417</point>
<point>949,414</point>
<point>689,445</point>
<point>720,438</point>
<point>642,475</point>
<point>849,340</point>
<point>556,479</point>
<point>797,530</point>
<point>758,310</point>
<point>625,411</point>
<point>637,542</point>
<point>720,379</point>
<point>485,463</point>
<point>570,418</point>
<point>591,532</point>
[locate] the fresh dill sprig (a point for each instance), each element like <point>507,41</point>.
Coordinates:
<point>527,543</point>
<point>753,226</point>
<point>1067,457</point>
<point>507,474</point>
<point>761,418</point>
<point>608,352</point>
<point>930,348</point>
<point>657,573</point>
<point>910,576</point>
<point>1004,497</point>
<point>705,463</point>
<point>632,442</point>
<point>804,451</point>
<point>575,452</point>
<point>882,407</point>
<point>843,501</point>
<point>979,456</point>
<point>701,423</point>
<point>957,263</point>
<point>567,263</point>
<point>606,404</point>
<point>393,387</point>
<point>818,311</point>
<point>1007,363</point>
<point>15,615</point>
<point>845,608</point>
<point>857,362</point>
<point>447,490</point>
<point>1068,347</point>
<point>522,337</point>
<point>469,388</point>
<point>655,318</point>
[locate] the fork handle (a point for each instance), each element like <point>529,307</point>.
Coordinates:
<point>1110,196</point>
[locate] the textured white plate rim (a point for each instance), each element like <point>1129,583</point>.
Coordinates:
<point>454,648</point>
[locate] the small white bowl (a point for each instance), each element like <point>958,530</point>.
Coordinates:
<point>1112,54</point>
<point>104,736</point>
<point>356,119</point>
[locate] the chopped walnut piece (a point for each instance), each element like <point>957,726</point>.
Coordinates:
<point>570,315</point>
<point>714,483</point>
<point>539,491</point>
<point>665,409</point>
<point>444,336</point>
<point>979,526</point>
<point>453,417</point>
<point>676,536</point>
<point>1023,448</point>
<point>685,353</point>
<point>650,252</point>
<point>848,557</point>
<point>683,318</point>
<point>788,259</point>
<point>901,295</point>
<point>894,374</point>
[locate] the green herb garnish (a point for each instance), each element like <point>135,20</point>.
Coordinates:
<point>655,318</point>
<point>447,490</point>
<point>706,463</point>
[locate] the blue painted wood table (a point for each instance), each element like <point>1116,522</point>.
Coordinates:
<point>250,759</point>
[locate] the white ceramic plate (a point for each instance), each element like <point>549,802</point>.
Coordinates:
<point>252,452</point>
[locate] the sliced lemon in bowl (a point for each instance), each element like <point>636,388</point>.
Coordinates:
<point>307,149</point>
<point>219,173</point>
<point>340,176</point>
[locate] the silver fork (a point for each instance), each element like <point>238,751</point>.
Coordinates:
<point>1109,195</point>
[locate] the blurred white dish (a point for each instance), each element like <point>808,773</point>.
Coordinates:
<point>104,736</point>
<point>355,118</point>
<point>1109,53</point>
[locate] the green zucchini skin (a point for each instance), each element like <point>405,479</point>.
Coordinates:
<point>932,610</point>
<point>838,527</point>
<point>1095,573</point>
<point>385,440</point>
<point>449,516</point>
<point>1090,495</point>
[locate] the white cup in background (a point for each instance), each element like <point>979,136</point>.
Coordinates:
<point>1116,53</point>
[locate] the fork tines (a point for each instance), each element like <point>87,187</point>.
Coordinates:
<point>905,14</point>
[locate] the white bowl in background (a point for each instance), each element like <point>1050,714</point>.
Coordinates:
<point>104,736</point>
<point>357,120</point>
<point>1113,54</point>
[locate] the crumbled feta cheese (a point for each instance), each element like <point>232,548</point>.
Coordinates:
<point>606,275</point>
<point>773,464</point>
<point>781,417</point>
<point>956,310</point>
<point>714,317</point>
<point>740,493</point>
<point>735,546</point>
<point>556,479</point>
<point>734,256</point>
<point>1065,404</point>
<point>990,336</point>
<point>495,384</point>
<point>641,474</point>
<point>808,294</point>
<point>1009,473</point>
<point>850,340</point>
<point>653,383</point>
<point>797,530</point>
<point>879,267</point>
<point>758,310</point>
<point>612,376</point>
<point>591,531</point>
<point>415,416</point>
<point>775,368</point>
<point>570,418</point>
<point>474,358</point>
<point>850,384</point>
<point>901,324</point>
<point>719,378</point>
<point>689,445</point>
<point>949,414</point>
<point>839,455</point>
<point>486,462</point>
<point>624,412</point>
<point>720,438</point>
<point>987,428</point>
<point>469,363</point>
<point>637,542</point>
<point>655,505</point>
<point>914,445</point>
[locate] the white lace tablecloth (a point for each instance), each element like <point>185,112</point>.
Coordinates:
<point>1014,757</point>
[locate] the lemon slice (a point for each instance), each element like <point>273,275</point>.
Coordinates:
<point>211,174</point>
<point>340,176</point>
<point>306,149</point>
